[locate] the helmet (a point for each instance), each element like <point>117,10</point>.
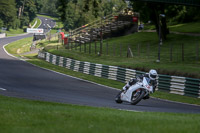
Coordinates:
<point>152,74</point>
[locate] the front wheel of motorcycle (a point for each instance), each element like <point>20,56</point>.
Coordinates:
<point>137,96</point>
<point>118,97</point>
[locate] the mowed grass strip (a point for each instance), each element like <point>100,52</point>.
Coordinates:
<point>22,116</point>
<point>144,47</point>
<point>38,23</point>
<point>14,32</point>
<point>193,27</point>
<point>20,46</point>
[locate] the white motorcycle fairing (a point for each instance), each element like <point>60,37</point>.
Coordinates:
<point>127,95</point>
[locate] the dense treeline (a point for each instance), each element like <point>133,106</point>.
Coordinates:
<point>75,13</point>
<point>18,13</point>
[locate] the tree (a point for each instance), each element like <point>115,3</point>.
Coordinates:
<point>49,7</point>
<point>26,11</point>
<point>61,6</point>
<point>17,13</point>
<point>182,14</point>
<point>75,13</point>
<point>8,12</point>
<point>39,5</point>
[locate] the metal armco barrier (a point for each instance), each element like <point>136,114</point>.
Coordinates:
<point>172,84</point>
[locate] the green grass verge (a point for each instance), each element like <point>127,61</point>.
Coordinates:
<point>145,51</point>
<point>18,47</point>
<point>149,27</point>
<point>33,22</point>
<point>186,27</point>
<point>193,27</point>
<point>38,23</point>
<point>22,116</point>
<point>14,32</point>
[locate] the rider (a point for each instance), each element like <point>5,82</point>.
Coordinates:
<point>152,75</point>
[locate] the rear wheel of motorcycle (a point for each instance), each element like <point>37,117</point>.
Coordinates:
<point>136,100</point>
<point>118,97</point>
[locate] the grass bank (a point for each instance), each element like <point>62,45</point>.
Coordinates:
<point>22,116</point>
<point>21,44</point>
<point>144,47</point>
<point>193,27</point>
<point>18,47</point>
<point>38,23</point>
<point>14,32</point>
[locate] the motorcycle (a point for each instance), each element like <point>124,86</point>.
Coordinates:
<point>136,92</point>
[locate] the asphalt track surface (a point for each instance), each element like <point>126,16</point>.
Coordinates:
<point>21,79</point>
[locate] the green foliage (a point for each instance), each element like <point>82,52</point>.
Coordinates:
<point>144,10</point>
<point>49,7</point>
<point>80,12</point>
<point>8,12</point>
<point>18,13</point>
<point>61,6</point>
<point>39,5</point>
<point>16,24</point>
<point>31,10</point>
<point>174,13</point>
<point>144,47</point>
<point>108,7</point>
<point>182,14</point>
<point>26,11</point>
